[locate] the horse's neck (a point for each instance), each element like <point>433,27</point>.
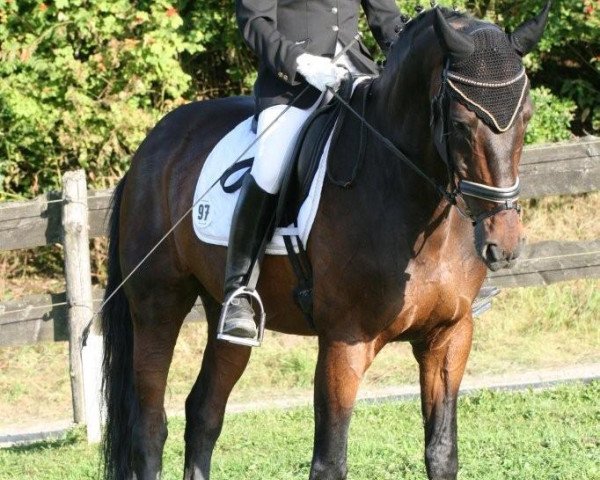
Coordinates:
<point>399,108</point>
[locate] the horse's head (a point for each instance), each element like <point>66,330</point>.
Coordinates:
<point>481,107</point>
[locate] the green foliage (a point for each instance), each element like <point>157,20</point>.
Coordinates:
<point>82,82</point>
<point>567,58</point>
<point>550,435</point>
<point>552,118</point>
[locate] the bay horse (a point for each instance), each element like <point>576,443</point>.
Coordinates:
<point>393,259</point>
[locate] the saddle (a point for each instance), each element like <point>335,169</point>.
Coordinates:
<point>304,162</point>
<point>297,180</point>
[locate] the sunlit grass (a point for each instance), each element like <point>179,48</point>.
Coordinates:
<point>551,435</point>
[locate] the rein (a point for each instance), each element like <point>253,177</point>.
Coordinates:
<point>505,197</point>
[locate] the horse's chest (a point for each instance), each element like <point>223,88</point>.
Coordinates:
<point>437,290</point>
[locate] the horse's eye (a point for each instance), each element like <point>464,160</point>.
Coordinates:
<point>460,128</point>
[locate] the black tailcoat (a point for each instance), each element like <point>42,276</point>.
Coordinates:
<point>279,31</point>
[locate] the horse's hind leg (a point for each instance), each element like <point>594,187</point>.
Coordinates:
<point>340,368</point>
<point>222,366</point>
<point>442,359</point>
<point>157,319</point>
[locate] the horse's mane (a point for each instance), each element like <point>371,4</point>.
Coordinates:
<point>412,30</point>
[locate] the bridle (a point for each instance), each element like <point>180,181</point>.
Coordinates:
<point>506,198</point>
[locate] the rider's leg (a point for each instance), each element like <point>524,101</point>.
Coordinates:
<point>255,208</point>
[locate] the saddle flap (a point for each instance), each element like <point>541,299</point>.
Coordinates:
<point>305,158</point>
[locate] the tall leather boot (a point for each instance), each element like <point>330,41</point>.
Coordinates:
<point>250,226</point>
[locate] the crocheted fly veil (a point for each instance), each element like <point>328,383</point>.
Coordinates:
<point>491,81</point>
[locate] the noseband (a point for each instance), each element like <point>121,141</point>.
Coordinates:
<point>506,198</point>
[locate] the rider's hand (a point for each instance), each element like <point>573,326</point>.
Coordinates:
<point>320,72</point>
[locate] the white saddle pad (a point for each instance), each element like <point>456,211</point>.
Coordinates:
<point>214,207</point>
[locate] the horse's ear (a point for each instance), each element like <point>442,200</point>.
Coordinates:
<point>455,43</point>
<point>527,35</point>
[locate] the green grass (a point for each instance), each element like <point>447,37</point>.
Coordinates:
<point>550,435</point>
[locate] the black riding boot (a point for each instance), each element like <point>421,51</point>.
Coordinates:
<point>250,226</point>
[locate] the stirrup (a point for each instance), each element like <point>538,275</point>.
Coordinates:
<point>248,342</point>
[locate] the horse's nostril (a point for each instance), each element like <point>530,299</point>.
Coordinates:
<point>492,253</point>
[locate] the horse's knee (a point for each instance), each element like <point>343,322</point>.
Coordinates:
<point>328,470</point>
<point>442,461</point>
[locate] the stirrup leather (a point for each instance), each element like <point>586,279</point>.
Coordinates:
<point>248,342</point>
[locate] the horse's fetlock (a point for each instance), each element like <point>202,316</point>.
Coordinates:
<point>441,475</point>
<point>328,470</point>
<point>442,462</point>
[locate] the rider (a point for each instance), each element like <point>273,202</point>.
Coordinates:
<point>295,41</point>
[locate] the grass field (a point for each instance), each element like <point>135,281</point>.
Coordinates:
<point>542,327</point>
<point>550,435</point>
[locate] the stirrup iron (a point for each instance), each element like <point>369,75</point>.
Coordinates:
<point>248,342</point>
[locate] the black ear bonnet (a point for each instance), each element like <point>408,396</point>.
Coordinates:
<point>491,81</point>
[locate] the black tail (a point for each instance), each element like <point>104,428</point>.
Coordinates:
<point>117,366</point>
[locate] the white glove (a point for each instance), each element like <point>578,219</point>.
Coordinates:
<point>320,72</point>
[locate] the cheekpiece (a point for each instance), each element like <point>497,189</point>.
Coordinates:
<point>491,81</point>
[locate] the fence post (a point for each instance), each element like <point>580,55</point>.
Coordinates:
<point>78,279</point>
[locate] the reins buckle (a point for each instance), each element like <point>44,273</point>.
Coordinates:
<point>261,315</point>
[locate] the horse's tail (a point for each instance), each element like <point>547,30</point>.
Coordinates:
<point>117,366</point>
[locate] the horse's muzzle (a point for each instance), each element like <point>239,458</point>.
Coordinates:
<point>496,258</point>
<point>499,240</point>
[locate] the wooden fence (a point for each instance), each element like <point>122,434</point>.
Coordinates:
<point>559,169</point>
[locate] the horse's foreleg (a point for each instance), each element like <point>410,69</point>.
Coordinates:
<point>442,359</point>
<point>340,368</point>
<point>222,365</point>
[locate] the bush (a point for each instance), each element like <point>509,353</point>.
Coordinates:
<point>82,82</point>
<point>552,117</point>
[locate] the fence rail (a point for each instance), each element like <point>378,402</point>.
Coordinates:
<point>36,223</point>
<point>559,169</point>
<point>562,169</point>
<point>43,318</point>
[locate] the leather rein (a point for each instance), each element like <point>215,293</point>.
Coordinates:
<point>506,198</point>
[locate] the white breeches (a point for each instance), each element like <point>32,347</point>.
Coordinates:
<point>276,145</point>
